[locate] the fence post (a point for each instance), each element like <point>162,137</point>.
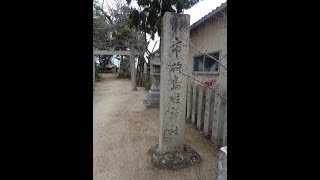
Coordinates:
<point>216,115</point>
<point>207,111</point>
<point>224,138</point>
<point>194,102</point>
<point>189,100</point>
<point>222,164</point>
<point>200,103</point>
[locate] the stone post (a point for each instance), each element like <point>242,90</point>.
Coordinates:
<point>133,69</point>
<point>172,152</point>
<point>222,164</point>
<point>174,54</point>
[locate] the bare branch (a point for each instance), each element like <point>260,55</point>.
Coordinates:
<point>155,45</point>
<point>200,52</point>
<point>208,56</point>
<point>205,85</point>
<point>203,45</point>
<point>224,16</point>
<point>104,13</point>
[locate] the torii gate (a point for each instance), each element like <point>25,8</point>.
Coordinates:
<point>116,43</point>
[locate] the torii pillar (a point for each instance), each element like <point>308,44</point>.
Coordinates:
<point>133,69</point>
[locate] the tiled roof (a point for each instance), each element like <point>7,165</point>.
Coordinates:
<point>209,15</point>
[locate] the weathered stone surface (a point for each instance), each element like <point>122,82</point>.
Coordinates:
<point>222,164</point>
<point>173,84</point>
<point>152,102</point>
<point>156,84</point>
<point>200,108</point>
<point>194,103</point>
<point>154,94</point>
<point>153,98</point>
<point>216,118</point>
<point>189,100</point>
<point>207,112</point>
<point>174,160</point>
<point>224,140</point>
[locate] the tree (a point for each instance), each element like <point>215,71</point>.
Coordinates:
<point>121,21</point>
<point>102,33</point>
<point>114,23</point>
<point>125,68</point>
<point>111,24</point>
<point>148,17</point>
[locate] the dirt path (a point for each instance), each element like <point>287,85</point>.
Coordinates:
<point>124,130</point>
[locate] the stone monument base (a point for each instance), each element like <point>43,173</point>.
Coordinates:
<point>153,99</point>
<point>174,160</point>
<point>151,103</point>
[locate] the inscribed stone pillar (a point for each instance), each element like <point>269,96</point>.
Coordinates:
<point>173,84</point>
<point>172,152</point>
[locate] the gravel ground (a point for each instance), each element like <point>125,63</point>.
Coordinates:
<point>124,130</point>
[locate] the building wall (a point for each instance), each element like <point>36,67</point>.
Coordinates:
<point>210,36</point>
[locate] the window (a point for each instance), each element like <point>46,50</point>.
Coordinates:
<point>205,65</point>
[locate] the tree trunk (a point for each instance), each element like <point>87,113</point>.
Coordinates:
<point>140,74</point>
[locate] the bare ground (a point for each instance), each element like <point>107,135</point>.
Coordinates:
<point>124,130</point>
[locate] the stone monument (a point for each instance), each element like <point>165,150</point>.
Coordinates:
<point>172,153</point>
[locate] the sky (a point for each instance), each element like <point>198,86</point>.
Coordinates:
<point>196,12</point>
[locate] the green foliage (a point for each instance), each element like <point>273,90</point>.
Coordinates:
<point>114,23</point>
<point>148,19</point>
<point>125,68</point>
<point>104,60</point>
<point>121,21</point>
<point>111,24</point>
<point>100,25</point>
